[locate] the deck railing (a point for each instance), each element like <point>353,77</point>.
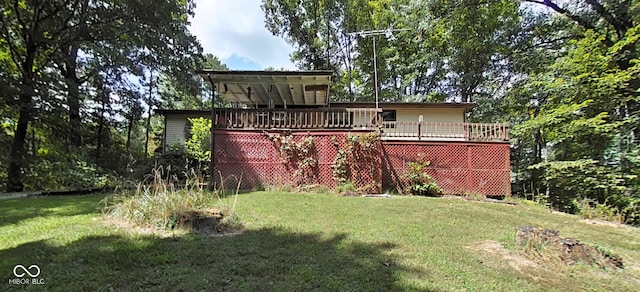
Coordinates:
<point>451,131</point>
<point>326,118</point>
<point>355,119</point>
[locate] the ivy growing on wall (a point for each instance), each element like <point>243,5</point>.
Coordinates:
<point>356,167</point>
<point>299,156</point>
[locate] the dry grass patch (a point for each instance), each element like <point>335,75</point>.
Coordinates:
<point>495,250</point>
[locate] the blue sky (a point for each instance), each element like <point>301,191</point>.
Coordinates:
<point>234,31</point>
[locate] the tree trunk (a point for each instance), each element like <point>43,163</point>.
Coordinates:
<point>73,96</point>
<point>17,151</point>
<point>34,147</point>
<point>16,154</point>
<point>129,130</point>
<point>100,124</point>
<point>537,158</point>
<point>148,125</point>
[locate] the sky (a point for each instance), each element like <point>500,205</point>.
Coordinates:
<point>234,31</point>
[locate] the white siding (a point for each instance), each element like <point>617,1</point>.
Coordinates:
<point>176,129</point>
<point>431,115</point>
<point>438,123</point>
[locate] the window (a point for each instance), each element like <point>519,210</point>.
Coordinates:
<point>389,115</point>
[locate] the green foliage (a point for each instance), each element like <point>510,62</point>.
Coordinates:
<point>72,174</point>
<point>179,159</point>
<point>590,209</point>
<point>187,90</point>
<point>340,167</point>
<point>299,156</point>
<point>576,110</point>
<point>451,49</point>
<point>199,145</point>
<point>355,160</point>
<point>627,206</point>
<point>175,163</point>
<point>420,182</point>
<point>580,179</point>
<point>57,93</point>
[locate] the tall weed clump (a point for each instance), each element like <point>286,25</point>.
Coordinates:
<point>163,201</point>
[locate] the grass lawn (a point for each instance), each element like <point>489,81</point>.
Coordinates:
<point>308,242</point>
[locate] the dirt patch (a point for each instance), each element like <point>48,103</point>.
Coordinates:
<point>495,249</point>
<point>210,222</point>
<point>135,229</point>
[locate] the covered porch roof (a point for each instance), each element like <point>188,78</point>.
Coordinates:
<point>271,88</point>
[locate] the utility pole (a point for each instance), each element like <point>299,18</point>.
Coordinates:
<point>373,34</point>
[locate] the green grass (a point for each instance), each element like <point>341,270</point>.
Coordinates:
<point>305,242</point>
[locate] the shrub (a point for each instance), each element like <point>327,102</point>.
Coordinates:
<point>66,173</point>
<point>608,191</point>
<point>420,182</point>
<point>590,209</point>
<point>628,207</point>
<point>198,147</point>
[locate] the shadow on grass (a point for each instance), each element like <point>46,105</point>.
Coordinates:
<point>13,211</point>
<point>266,259</point>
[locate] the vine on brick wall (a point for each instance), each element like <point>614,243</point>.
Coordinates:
<point>357,160</point>
<point>301,157</point>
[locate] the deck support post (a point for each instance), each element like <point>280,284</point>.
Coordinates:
<point>213,125</point>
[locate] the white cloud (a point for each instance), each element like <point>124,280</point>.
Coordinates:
<point>227,28</point>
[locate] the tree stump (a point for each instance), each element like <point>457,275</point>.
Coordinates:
<point>569,251</point>
<point>208,220</point>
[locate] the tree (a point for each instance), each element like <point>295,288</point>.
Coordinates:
<point>584,107</point>
<point>42,36</point>
<point>32,34</point>
<point>187,90</point>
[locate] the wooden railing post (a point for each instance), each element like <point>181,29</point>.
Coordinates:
<point>420,119</point>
